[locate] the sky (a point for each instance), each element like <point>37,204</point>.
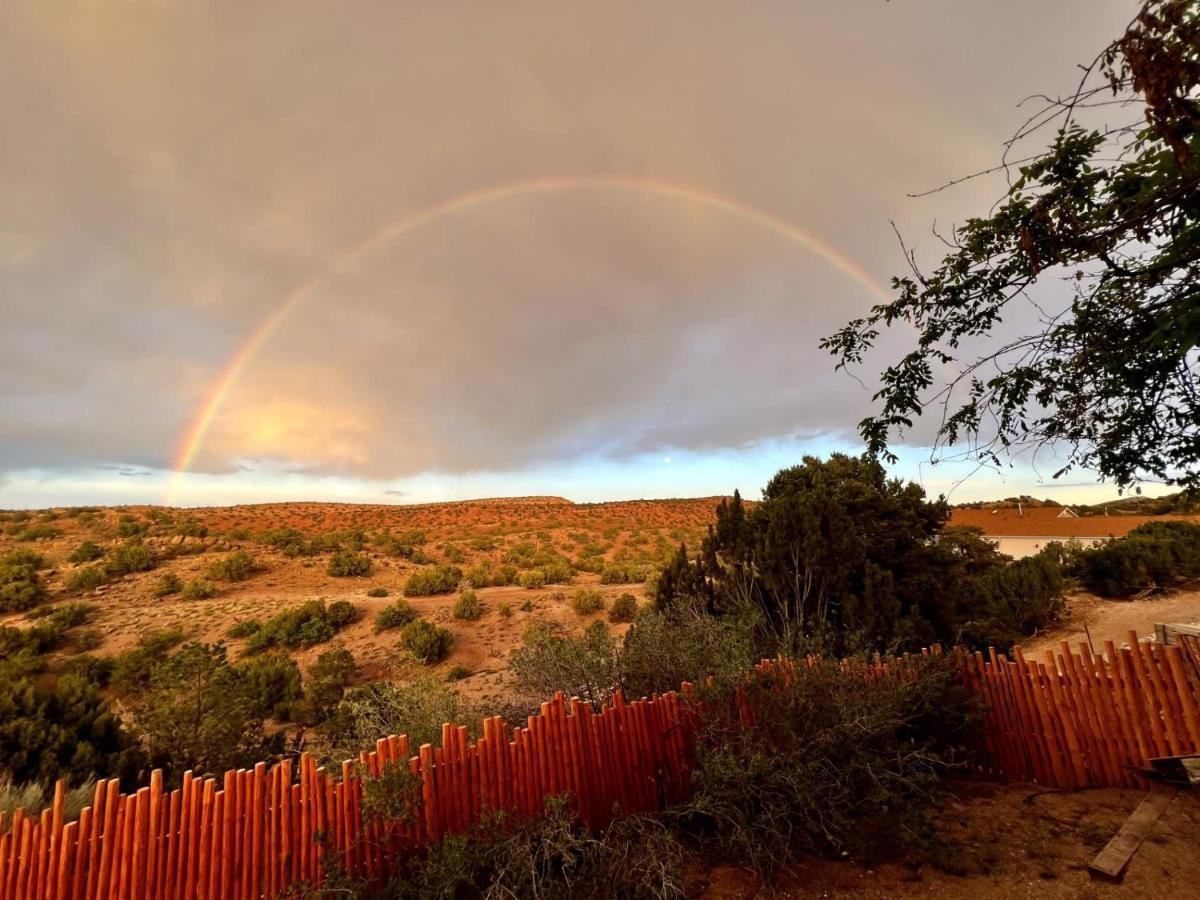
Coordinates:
<point>403,252</point>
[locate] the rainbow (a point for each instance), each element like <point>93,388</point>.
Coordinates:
<point>193,439</point>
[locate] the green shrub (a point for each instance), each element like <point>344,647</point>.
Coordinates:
<point>427,642</point>
<point>433,580</point>
<point>377,592</point>
<point>468,606</point>
<point>416,708</point>
<point>237,566</point>
<point>342,613</point>
<point>625,573</point>
<point>661,652</point>
<point>168,584</point>
<point>527,606</point>
<point>85,553</point>
<point>274,683</point>
<point>394,615</point>
<point>243,628</point>
<point>458,673</point>
<point>533,579</point>
<point>345,564</point>
<point>325,685</point>
<point>624,609</point>
<point>129,527</point>
<point>21,587</point>
<point>587,601</point>
<point>132,556</point>
<point>505,610</point>
<point>287,541</point>
<point>1154,556</point>
<point>550,660</point>
<point>835,762</point>
<point>131,668</point>
<point>37,533</point>
<point>198,589</point>
<point>300,626</point>
<point>486,574</point>
<point>85,579</point>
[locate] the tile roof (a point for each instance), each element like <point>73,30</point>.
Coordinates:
<point>1045,521</point>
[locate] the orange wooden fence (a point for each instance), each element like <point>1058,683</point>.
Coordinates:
<point>257,831</point>
<point>1073,720</point>
<point>1086,719</point>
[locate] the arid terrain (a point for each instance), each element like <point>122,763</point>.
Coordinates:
<point>185,543</point>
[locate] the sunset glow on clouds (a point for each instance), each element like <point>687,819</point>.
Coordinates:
<point>412,252</point>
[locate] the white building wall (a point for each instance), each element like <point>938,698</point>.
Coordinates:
<point>1020,546</point>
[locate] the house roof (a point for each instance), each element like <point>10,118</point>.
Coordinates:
<point>1048,521</point>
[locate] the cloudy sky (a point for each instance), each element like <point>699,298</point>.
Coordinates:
<point>401,251</point>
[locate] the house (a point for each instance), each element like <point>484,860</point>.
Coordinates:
<point>1023,531</point>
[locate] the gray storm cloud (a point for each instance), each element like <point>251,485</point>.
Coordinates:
<point>169,172</point>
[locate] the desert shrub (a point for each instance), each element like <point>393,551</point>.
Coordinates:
<point>417,708</point>
<point>625,573</point>
<point>467,606</point>
<point>834,762</point>
<point>485,573</point>
<point>587,601</point>
<point>505,610</point>
<point>557,572</point>
<point>193,528</point>
<point>131,668</point>
<point>454,554</point>
<point>395,614</point>
<point>71,615</point>
<point>623,609</point>
<point>533,579</point>
<point>377,592</point>
<point>86,578</point>
<point>659,652</point>
<point>237,566</point>
<point>131,556</point>
<point>273,683</point>
<point>61,727</point>
<point>433,580</point>
<point>243,628</point>
<point>36,533</point>
<point>1154,556</point>
<point>325,685</point>
<point>287,541</point>
<point>458,673</point>
<point>550,660</point>
<point>549,855</point>
<point>85,553</point>
<point>198,589</point>
<point>346,564</point>
<point>527,606</point>
<point>425,641</point>
<point>342,613</point>
<point>21,587</point>
<point>299,626</point>
<point>168,584</point>
<point>130,527</point>
<point>1015,600</point>
<point>199,712</point>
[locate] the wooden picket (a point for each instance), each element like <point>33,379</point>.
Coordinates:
<point>1073,720</point>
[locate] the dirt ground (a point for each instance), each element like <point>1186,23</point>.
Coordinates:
<point>1112,620</point>
<point>1005,841</point>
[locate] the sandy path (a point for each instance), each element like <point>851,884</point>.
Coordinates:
<point>1111,620</point>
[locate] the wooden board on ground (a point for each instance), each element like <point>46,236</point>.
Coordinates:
<point>1111,861</point>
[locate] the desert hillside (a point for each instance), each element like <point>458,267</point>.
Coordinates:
<point>612,547</point>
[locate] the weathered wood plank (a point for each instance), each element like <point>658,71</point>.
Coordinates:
<point>1111,861</point>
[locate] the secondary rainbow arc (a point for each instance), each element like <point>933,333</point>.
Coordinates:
<point>193,439</point>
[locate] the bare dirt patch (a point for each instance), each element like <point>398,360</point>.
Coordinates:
<point>1112,620</point>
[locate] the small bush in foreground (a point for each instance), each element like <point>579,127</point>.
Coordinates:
<point>300,626</point>
<point>345,564</point>
<point>835,762</point>
<point>467,606</point>
<point>623,609</point>
<point>132,556</point>
<point>416,708</point>
<point>394,615</point>
<point>433,580</point>
<point>549,660</point>
<point>426,641</point>
<point>505,610</point>
<point>377,592</point>
<point>533,579</point>
<point>21,587</point>
<point>587,601</point>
